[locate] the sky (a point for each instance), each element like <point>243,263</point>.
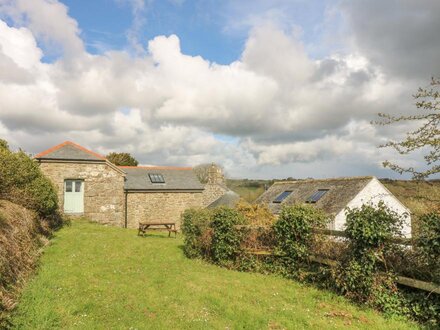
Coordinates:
<point>267,89</point>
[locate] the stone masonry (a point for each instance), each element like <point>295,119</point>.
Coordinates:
<point>215,187</point>
<point>159,206</point>
<point>103,188</point>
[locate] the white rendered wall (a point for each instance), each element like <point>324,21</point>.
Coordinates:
<point>374,192</point>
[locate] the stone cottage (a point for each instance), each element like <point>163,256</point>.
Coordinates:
<point>333,196</point>
<point>88,184</point>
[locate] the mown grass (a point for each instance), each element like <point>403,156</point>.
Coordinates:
<point>96,277</point>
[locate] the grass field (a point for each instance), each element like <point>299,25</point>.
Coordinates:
<point>96,277</point>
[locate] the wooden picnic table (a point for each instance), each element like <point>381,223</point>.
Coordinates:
<point>168,226</point>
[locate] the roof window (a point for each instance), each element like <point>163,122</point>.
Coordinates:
<point>317,196</point>
<point>156,178</point>
<point>282,196</point>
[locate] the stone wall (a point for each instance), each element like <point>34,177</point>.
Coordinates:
<point>212,192</point>
<point>159,206</point>
<point>103,189</point>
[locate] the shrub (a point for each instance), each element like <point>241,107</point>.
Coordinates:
<point>428,243</point>
<point>226,239</point>
<point>256,214</point>
<point>196,230</point>
<point>22,182</point>
<point>293,233</point>
<point>362,274</point>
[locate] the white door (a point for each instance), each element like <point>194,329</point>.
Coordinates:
<point>73,196</point>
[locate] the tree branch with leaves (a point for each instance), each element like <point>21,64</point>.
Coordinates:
<point>427,136</point>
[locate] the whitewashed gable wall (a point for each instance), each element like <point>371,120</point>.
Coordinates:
<point>374,192</point>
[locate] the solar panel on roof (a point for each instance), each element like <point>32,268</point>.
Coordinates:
<point>316,196</point>
<point>282,196</point>
<point>156,178</point>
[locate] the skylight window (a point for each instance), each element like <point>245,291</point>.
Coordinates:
<point>156,178</point>
<point>282,196</point>
<point>316,196</point>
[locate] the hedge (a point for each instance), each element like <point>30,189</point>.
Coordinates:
<point>365,271</point>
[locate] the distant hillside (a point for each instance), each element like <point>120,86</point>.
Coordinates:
<point>249,190</point>
<point>419,196</point>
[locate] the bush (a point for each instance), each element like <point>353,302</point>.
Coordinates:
<point>428,243</point>
<point>293,233</point>
<point>196,230</point>
<point>256,214</point>
<point>22,182</point>
<point>226,239</point>
<point>363,274</point>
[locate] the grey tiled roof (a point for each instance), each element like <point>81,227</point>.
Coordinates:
<point>341,192</point>
<point>175,179</point>
<point>230,198</point>
<point>69,151</point>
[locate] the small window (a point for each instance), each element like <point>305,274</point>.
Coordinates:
<point>282,196</point>
<point>316,196</point>
<point>78,186</point>
<point>156,178</point>
<point>69,186</point>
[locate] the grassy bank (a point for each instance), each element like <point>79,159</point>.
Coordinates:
<point>96,277</point>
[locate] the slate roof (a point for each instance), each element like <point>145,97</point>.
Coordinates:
<point>230,198</point>
<point>176,178</point>
<point>341,192</point>
<point>69,151</point>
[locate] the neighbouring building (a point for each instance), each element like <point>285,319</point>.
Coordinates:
<point>333,196</point>
<point>88,184</point>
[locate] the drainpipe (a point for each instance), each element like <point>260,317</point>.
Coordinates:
<point>126,214</point>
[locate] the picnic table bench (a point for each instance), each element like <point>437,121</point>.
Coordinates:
<point>168,226</point>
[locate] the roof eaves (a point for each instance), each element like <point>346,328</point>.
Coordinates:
<point>177,168</point>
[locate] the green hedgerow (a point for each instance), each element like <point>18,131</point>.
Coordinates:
<point>428,241</point>
<point>226,239</point>
<point>22,182</point>
<point>196,230</point>
<point>363,275</point>
<point>294,235</point>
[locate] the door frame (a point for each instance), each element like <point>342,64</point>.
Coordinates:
<point>73,180</point>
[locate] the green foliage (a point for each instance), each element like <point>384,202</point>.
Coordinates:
<point>226,239</point>
<point>428,243</point>
<point>370,227</point>
<point>122,159</point>
<point>4,144</point>
<point>362,274</point>
<point>195,223</point>
<point>22,182</point>
<point>423,307</point>
<point>293,232</point>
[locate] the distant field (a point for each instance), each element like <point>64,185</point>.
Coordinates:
<point>419,196</point>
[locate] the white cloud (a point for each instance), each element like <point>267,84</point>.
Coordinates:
<point>283,107</point>
<point>49,21</point>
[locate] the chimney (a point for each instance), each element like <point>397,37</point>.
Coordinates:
<point>215,175</point>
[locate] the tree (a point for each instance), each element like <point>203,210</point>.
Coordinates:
<point>122,159</point>
<point>427,136</point>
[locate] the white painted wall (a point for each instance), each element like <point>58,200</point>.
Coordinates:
<point>374,192</point>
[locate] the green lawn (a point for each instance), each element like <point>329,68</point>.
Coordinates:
<point>96,277</point>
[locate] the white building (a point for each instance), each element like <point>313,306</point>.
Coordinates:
<point>333,196</point>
